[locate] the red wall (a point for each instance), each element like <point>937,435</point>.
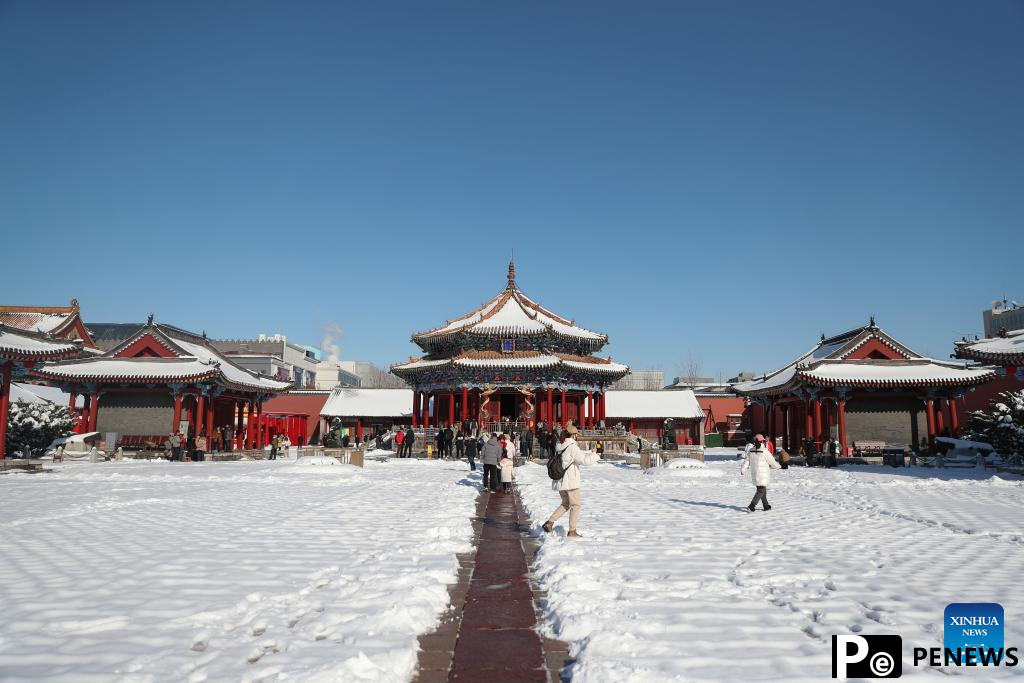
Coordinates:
<point>299,404</point>
<point>980,397</point>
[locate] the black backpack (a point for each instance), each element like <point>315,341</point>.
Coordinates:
<point>556,470</point>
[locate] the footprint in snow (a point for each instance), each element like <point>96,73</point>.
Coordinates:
<point>200,641</point>
<point>259,628</point>
<point>263,648</point>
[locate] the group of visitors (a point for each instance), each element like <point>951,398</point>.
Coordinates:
<point>498,454</point>
<point>278,443</point>
<point>187,446</point>
<point>403,441</point>
<point>827,456</point>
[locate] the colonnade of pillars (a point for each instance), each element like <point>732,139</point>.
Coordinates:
<point>549,406</point>
<point>248,428</point>
<point>815,417</point>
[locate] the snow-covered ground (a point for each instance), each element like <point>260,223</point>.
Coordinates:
<point>245,571</point>
<point>676,581</point>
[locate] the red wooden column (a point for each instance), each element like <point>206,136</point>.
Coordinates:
<point>465,404</point>
<point>590,410</point>
<point>954,425</point>
<point>71,403</point>
<point>785,425</point>
<point>200,414</point>
<point>177,414</point>
<point>930,411</point>
<point>809,421</point>
<point>250,424</point>
<point>841,409</point>
<point>238,418</point>
<point>770,413</point>
<point>562,418</point>
<point>415,407</point>
<point>817,422</point>
<point>426,410</point>
<point>551,409</point>
<point>5,405</point>
<point>451,407</point>
<point>259,424</point>
<point>209,424</point>
<point>94,410</point>
<point>359,429</point>
<point>940,423</point>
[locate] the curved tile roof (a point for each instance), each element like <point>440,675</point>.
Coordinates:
<point>511,313</point>
<point>1002,350</point>
<point>17,344</point>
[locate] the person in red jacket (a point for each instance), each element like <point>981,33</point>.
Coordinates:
<point>399,440</point>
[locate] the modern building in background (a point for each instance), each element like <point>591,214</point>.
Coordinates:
<point>1004,315</point>
<point>330,375</point>
<point>274,356</point>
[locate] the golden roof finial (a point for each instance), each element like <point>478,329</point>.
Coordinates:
<point>511,274</point>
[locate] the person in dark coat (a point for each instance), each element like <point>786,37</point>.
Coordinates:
<point>410,439</point>
<point>460,444</point>
<point>449,439</point>
<point>526,443</point>
<point>439,443</point>
<point>471,450</point>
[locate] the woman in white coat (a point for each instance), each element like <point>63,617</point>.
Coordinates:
<point>568,486</point>
<point>760,463</point>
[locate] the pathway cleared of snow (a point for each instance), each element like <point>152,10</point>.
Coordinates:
<point>227,571</point>
<point>676,581</point>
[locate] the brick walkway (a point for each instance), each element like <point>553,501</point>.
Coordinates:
<point>489,632</point>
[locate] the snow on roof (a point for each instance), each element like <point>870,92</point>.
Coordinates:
<point>921,371</point>
<point>36,393</point>
<point>38,318</point>
<point>512,313</point>
<point>783,376</point>
<point>232,372</point>
<point>680,403</point>
<point>997,349</point>
<point>134,369</point>
<point>22,344</point>
<point>524,359</point>
<point>354,402</point>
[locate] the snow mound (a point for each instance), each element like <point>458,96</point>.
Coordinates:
<point>316,463</point>
<point>684,463</point>
<point>685,468</point>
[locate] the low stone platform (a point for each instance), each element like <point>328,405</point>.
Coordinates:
<point>19,465</point>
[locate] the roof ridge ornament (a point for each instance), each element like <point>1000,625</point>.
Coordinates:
<point>871,323</point>
<point>512,274</point>
<point>149,320</point>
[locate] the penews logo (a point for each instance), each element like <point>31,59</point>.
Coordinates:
<point>867,656</point>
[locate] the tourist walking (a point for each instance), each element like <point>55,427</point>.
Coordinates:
<point>399,442</point>
<point>200,454</point>
<point>570,457</point>
<point>760,463</point>
<point>275,443</point>
<point>460,445</point>
<point>507,465</point>
<point>490,458</point>
<point>472,446</point>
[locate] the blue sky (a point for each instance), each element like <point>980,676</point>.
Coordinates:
<point>728,179</point>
